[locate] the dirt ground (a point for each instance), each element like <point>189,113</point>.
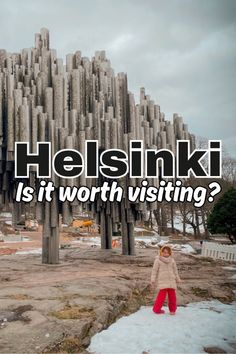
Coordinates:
<point>57,308</point>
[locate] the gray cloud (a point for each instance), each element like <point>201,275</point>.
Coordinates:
<point>182,51</point>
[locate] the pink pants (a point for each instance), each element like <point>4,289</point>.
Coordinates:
<point>160,299</point>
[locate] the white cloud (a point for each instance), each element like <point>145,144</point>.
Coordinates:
<point>120,43</point>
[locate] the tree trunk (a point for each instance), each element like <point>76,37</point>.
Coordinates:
<point>172,218</point>
<point>197,222</point>
<point>184,219</point>
<point>204,224</point>
<point>157,217</point>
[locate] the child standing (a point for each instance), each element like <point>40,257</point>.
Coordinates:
<point>165,275</point>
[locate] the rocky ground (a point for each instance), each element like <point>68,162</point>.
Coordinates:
<point>57,308</point>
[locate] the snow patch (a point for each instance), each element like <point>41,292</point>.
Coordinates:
<point>31,251</point>
<point>233,277</point>
<point>198,325</point>
<point>184,248</point>
<point>229,268</point>
<point>140,229</point>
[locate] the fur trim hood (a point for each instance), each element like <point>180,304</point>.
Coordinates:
<point>166,246</point>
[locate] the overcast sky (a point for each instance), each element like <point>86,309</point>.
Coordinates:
<point>183,52</point>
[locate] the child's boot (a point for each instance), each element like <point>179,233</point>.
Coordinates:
<point>160,312</point>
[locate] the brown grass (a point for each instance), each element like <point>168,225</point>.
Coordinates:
<point>68,345</point>
<point>73,313</point>
<point>200,292</point>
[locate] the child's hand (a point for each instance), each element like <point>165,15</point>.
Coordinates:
<point>152,284</point>
<point>180,281</point>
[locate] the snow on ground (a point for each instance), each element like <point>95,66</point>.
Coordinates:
<point>184,248</point>
<point>147,240</point>
<point>30,251</point>
<point>15,239</point>
<point>140,229</point>
<point>229,268</point>
<point>4,214</point>
<point>198,325</point>
<point>96,240</point>
<point>162,242</point>
<point>233,277</point>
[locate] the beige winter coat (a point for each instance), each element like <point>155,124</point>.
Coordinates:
<point>165,273</point>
